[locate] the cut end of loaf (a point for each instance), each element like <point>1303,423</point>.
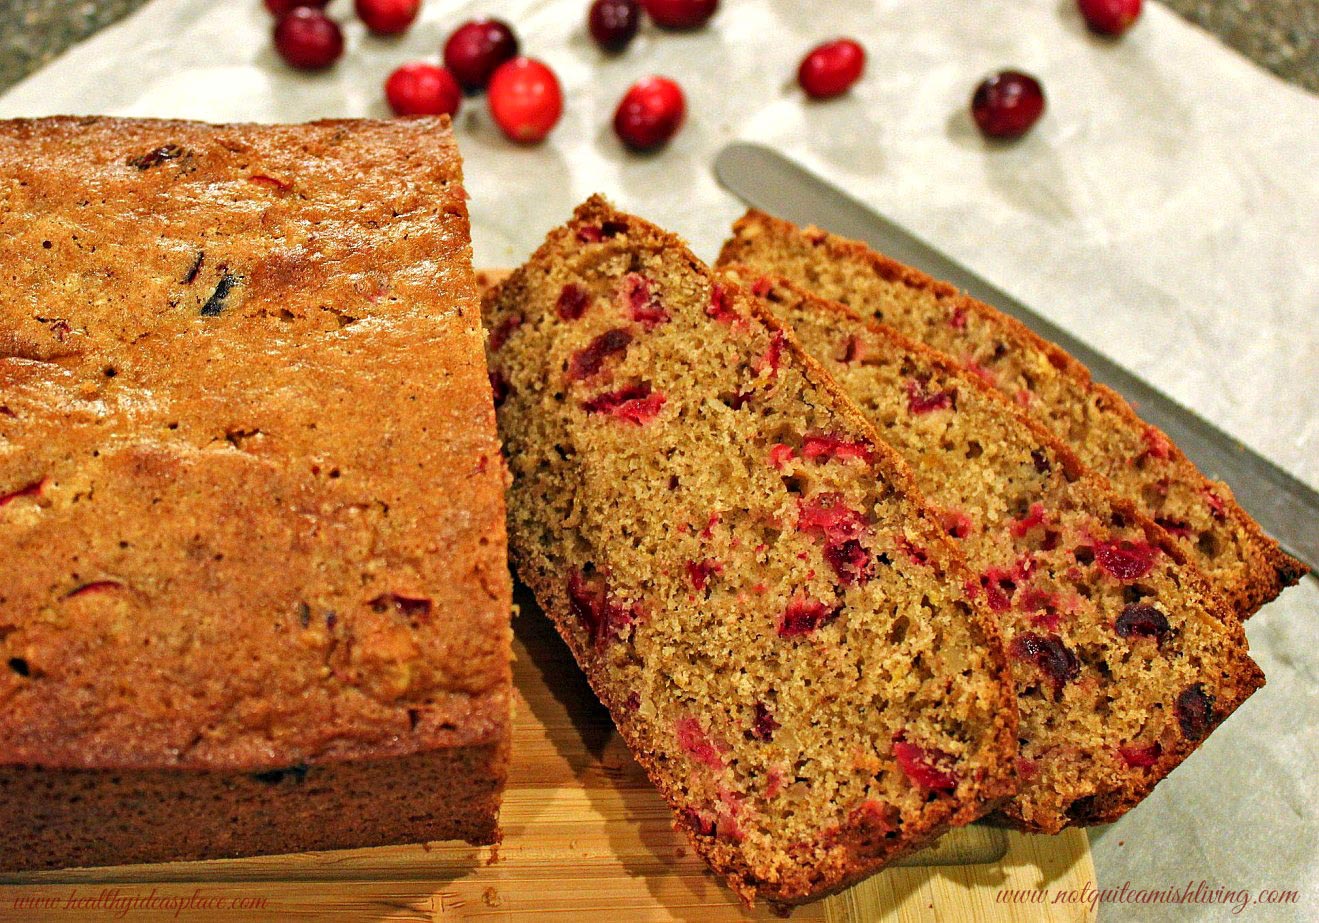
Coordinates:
<point>1245,565</point>
<point>738,563</point>
<point>1124,658</point>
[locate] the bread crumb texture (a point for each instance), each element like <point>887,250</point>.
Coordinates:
<point>778,626</point>
<point>1124,658</point>
<point>1143,465</point>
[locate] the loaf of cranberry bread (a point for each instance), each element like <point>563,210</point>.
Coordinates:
<point>254,595</point>
<point>1245,565</point>
<point>1124,658</point>
<point>790,655</point>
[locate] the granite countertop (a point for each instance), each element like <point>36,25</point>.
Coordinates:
<point>1281,35</point>
<point>34,31</point>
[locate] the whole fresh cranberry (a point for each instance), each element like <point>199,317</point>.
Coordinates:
<point>1109,17</point>
<point>1007,104</point>
<point>280,8</point>
<point>387,17</point>
<point>476,49</point>
<point>830,69</point>
<point>681,14</point>
<point>308,39</point>
<point>525,100</point>
<point>421,88</point>
<point>614,23</point>
<point>650,113</point>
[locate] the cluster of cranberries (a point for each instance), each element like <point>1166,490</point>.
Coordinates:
<point>526,100</point>
<point>481,55</point>
<point>653,109</point>
<point>524,95</point>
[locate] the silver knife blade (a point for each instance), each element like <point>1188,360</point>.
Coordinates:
<point>1286,508</point>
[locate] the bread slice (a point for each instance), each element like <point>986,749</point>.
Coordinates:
<point>790,655</point>
<point>1141,462</point>
<point>1124,657</point>
<point>254,593</point>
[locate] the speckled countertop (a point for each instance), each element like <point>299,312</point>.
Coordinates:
<point>1282,35</point>
<point>34,31</point>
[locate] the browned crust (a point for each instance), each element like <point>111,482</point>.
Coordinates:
<point>143,731</point>
<point>231,631</point>
<point>982,795</point>
<point>53,819</point>
<point>1271,570</point>
<point>1108,806</point>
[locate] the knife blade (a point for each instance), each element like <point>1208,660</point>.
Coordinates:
<point>1284,506</point>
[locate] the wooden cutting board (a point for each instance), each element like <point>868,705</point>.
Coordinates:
<point>586,838</point>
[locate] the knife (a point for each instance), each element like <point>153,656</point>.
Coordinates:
<point>1285,507</point>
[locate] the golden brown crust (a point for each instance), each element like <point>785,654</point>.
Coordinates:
<point>854,848</point>
<point>252,510</point>
<point>1262,569</point>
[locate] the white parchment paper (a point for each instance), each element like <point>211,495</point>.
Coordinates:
<point>1166,209</point>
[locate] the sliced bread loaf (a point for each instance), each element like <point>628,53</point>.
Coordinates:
<point>1124,657</point>
<point>1141,462</point>
<point>811,695</point>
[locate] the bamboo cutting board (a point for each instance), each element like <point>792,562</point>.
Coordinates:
<point>586,838</point>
